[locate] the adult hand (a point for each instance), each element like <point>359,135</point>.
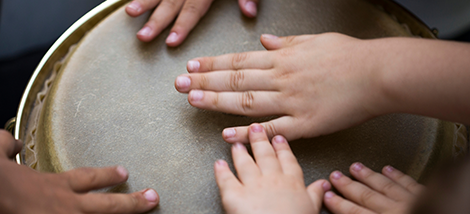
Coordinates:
<point>189,13</point>
<point>317,84</point>
<point>65,192</point>
<point>390,192</point>
<point>272,184</point>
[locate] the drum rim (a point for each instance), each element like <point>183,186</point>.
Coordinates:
<point>78,30</point>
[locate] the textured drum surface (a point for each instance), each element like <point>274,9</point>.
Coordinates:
<point>114,103</point>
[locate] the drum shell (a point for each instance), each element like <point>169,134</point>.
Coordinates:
<point>327,153</point>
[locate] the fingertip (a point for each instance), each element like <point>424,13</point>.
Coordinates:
<point>329,195</point>
<point>134,9</point>
<point>279,139</point>
<point>249,9</point>
<point>195,96</point>
<point>183,83</point>
<point>270,42</point>
<point>174,39</point>
<point>256,128</point>
<point>229,133</point>
<point>122,172</point>
<point>151,196</point>
<point>193,65</point>
<point>146,34</point>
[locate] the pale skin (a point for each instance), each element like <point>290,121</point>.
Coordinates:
<point>320,84</point>
<point>24,190</point>
<point>187,14</point>
<point>273,182</point>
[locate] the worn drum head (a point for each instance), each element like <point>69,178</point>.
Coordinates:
<point>111,101</point>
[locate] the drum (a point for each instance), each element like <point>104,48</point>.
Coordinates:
<point>100,97</point>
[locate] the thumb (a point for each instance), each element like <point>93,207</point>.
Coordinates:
<point>9,147</point>
<point>249,7</point>
<point>316,190</point>
<point>272,42</point>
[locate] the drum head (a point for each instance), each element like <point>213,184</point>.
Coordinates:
<point>113,102</point>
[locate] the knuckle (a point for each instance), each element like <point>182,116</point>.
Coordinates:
<point>89,175</point>
<point>247,101</point>
<point>388,187</point>
<point>271,129</point>
<point>215,101</point>
<point>411,185</point>
<point>191,8</point>
<point>236,80</point>
<point>172,4</point>
<point>366,196</point>
<point>290,39</point>
<point>204,82</point>
<point>354,210</point>
<point>238,59</point>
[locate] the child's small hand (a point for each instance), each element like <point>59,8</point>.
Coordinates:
<point>272,184</point>
<point>189,13</point>
<point>389,192</point>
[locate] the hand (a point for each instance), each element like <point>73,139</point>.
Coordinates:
<point>189,13</point>
<point>272,184</point>
<point>389,192</point>
<point>27,191</point>
<point>317,84</point>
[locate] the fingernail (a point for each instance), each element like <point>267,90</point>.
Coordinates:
<point>172,37</point>
<point>269,36</point>
<point>146,31</point>
<point>183,82</point>
<point>196,95</point>
<point>279,139</point>
<point>251,8</point>
<point>256,128</point>
<point>193,65</point>
<point>221,163</point>
<point>228,133</point>
<point>239,146</point>
<point>357,167</point>
<point>337,175</point>
<point>135,6</point>
<point>329,194</point>
<point>151,195</point>
<point>122,171</point>
<point>326,186</point>
<point>389,168</point>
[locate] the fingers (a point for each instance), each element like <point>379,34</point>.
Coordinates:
<point>285,126</point>
<point>244,164</point>
<point>380,183</point>
<point>360,194</point>
<point>316,190</point>
<point>241,80</point>
<point>235,61</point>
<point>249,7</point>
<point>288,162</point>
<point>86,179</point>
<point>224,177</point>
<point>337,204</point>
<point>404,180</point>
<point>272,42</point>
<point>263,151</point>
<point>192,12</point>
<point>249,103</point>
<point>138,7</point>
<point>9,147</point>
<point>160,19</point>
<point>137,202</point>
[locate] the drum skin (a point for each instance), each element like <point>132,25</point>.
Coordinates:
<point>113,102</point>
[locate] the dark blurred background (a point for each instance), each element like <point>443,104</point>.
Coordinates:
<point>28,28</point>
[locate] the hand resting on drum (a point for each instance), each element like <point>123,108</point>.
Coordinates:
<point>189,13</point>
<point>389,192</point>
<point>272,184</point>
<point>27,191</point>
<point>320,84</point>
